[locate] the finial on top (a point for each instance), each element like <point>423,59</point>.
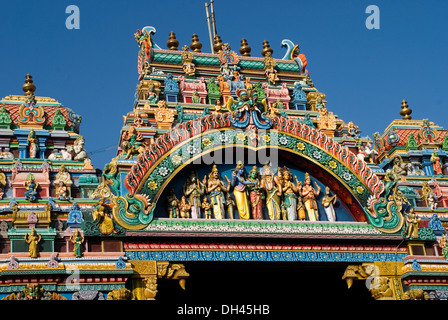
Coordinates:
<point>245,48</point>
<point>172,42</point>
<point>266,48</point>
<point>195,44</point>
<point>217,47</point>
<point>29,87</point>
<point>405,111</point>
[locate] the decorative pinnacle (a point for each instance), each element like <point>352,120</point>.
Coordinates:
<point>217,47</point>
<point>245,48</point>
<point>405,111</point>
<point>195,44</point>
<point>29,87</point>
<point>266,48</point>
<point>172,42</point>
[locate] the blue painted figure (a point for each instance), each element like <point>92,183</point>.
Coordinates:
<point>31,187</point>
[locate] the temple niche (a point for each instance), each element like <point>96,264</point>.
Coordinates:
<point>194,180</point>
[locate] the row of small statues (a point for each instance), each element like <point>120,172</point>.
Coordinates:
<point>33,238</point>
<point>283,198</point>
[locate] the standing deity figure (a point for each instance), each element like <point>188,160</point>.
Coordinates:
<point>300,209</point>
<point>32,144</point>
<point>289,191</point>
<point>271,185</point>
<point>443,245</point>
<point>207,206</point>
<point>328,202</point>
<point>309,194</point>
<point>255,194</point>
<point>239,184</point>
<point>193,189</point>
<point>230,205</point>
<point>77,239</point>
<point>33,239</point>
<point>435,160</point>
<point>184,208</point>
<point>413,225</point>
<point>172,204</point>
<point>31,186</point>
<point>215,187</point>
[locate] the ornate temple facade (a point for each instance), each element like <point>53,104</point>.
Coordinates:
<point>223,157</point>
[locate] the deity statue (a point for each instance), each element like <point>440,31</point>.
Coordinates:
<point>301,214</point>
<point>328,202</point>
<point>31,186</point>
<point>62,192</point>
<point>426,191</point>
<point>32,144</point>
<point>246,113</point>
<point>77,239</point>
<point>218,106</point>
<point>195,98</point>
<point>435,160</point>
<point>230,205</point>
<point>239,184</point>
<point>193,189</point>
<point>207,207</point>
<point>133,142</point>
<point>273,188</point>
<point>184,208</point>
<point>256,194</point>
<point>399,168</point>
<point>215,187</point>
<point>413,225</point>
<point>172,204</point>
<point>289,191</point>
<point>309,194</point>
<point>33,239</point>
<point>443,245</point>
<point>432,201</point>
<point>106,224</point>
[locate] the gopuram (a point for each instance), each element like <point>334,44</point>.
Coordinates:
<point>224,157</point>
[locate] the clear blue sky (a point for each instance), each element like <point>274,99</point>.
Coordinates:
<point>364,73</point>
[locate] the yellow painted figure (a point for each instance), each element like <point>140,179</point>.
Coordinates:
<point>33,239</point>
<point>240,191</point>
<point>309,194</point>
<point>106,224</point>
<point>215,188</point>
<point>273,188</point>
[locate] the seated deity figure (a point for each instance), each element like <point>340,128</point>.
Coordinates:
<point>271,185</point>
<point>215,188</point>
<point>309,194</point>
<point>239,184</point>
<point>193,189</point>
